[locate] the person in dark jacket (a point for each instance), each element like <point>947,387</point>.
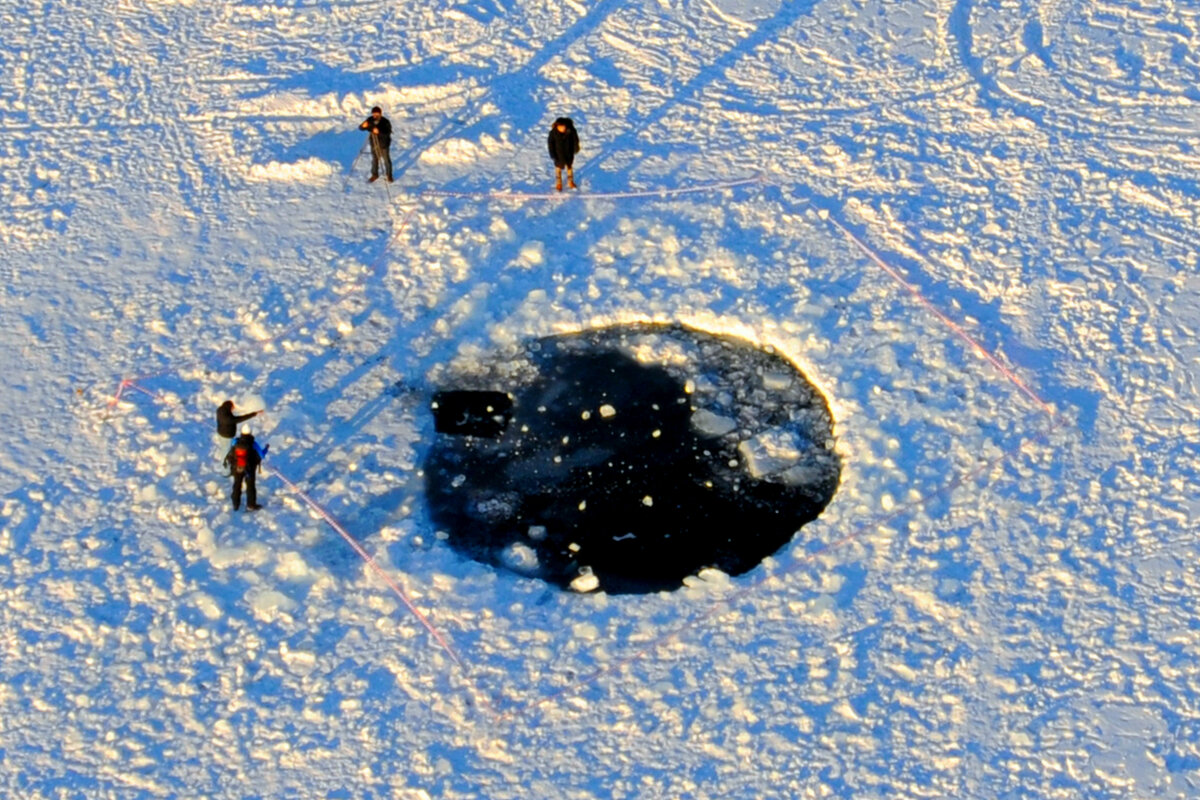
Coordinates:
<point>243,460</point>
<point>563,143</point>
<point>227,421</point>
<point>381,142</point>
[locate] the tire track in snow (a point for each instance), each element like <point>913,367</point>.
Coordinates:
<point>511,83</point>
<point>789,13</point>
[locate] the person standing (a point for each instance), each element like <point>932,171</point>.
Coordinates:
<point>243,460</point>
<point>563,143</point>
<point>380,129</point>
<point>227,421</point>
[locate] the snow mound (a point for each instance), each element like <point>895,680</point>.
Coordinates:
<point>310,170</point>
<point>464,151</point>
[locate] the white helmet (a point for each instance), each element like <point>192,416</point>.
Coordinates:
<point>245,430</point>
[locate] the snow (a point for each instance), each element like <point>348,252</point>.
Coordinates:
<point>972,225</point>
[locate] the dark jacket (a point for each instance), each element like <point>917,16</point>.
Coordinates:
<point>385,130</point>
<point>253,457</point>
<point>563,146</point>
<point>227,421</point>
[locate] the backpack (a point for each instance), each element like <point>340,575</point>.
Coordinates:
<point>239,458</point>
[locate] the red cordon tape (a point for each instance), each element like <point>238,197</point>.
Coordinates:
<point>945,320</point>
<point>373,564</point>
<point>524,709</point>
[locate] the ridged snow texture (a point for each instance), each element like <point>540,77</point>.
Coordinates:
<point>631,457</point>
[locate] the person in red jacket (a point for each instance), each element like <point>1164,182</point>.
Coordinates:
<point>563,143</point>
<point>243,460</point>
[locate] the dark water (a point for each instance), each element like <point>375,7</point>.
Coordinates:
<point>639,454</point>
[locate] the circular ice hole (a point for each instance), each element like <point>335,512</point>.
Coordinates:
<point>709,453</point>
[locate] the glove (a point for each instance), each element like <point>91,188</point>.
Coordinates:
<point>265,449</point>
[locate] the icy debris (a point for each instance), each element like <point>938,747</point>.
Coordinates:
<point>496,507</point>
<point>660,451</point>
<point>713,577</point>
<point>537,532</point>
<point>494,750</point>
<point>777,381</point>
<point>771,452</point>
<point>500,230</point>
<point>807,474</point>
<point>586,631</point>
<point>585,581</point>
<point>292,566</point>
<point>532,253</point>
<point>707,423</point>
<point>520,557</point>
<point>455,151</point>
<point>309,170</point>
<point>708,579</point>
<point>300,662</point>
<point>268,605</point>
<point>207,605</point>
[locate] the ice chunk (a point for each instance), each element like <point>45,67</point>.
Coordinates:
<point>586,631</point>
<point>810,473</point>
<point>520,557</point>
<point>709,579</point>
<point>585,581</point>
<point>778,381</point>
<point>771,452</point>
<point>707,423</point>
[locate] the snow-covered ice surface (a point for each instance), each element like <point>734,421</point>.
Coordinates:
<point>972,224</point>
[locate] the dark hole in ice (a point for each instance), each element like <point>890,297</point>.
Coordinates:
<point>630,457</point>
